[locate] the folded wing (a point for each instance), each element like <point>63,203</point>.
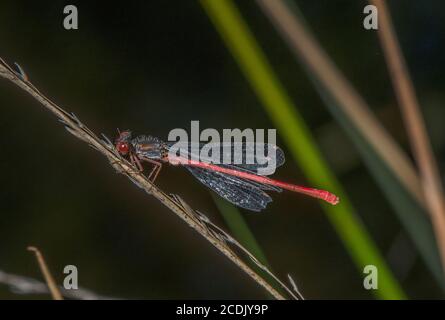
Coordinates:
<point>242,193</point>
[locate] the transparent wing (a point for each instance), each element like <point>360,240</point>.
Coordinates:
<point>242,193</point>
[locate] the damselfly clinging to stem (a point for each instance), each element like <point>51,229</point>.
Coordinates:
<point>238,183</point>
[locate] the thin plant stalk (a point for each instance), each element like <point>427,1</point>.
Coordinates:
<point>415,126</point>
<point>49,279</point>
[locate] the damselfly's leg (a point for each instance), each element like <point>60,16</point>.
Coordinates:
<point>157,166</point>
<point>135,161</point>
<point>154,173</point>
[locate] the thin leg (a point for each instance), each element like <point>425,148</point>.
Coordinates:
<point>132,160</point>
<point>156,170</point>
<point>135,161</point>
<point>157,166</point>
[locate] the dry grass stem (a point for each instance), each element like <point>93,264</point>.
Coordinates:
<point>415,126</point>
<point>49,279</point>
<point>197,221</point>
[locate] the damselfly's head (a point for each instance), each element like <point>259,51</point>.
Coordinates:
<point>122,142</point>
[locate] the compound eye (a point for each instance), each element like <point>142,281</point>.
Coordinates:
<point>123,147</point>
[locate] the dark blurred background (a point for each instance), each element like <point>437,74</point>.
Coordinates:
<point>152,66</point>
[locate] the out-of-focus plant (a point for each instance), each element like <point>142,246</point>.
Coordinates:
<point>292,128</point>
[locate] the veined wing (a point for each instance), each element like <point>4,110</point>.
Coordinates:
<point>242,193</point>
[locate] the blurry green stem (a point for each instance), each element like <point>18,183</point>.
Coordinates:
<point>294,131</point>
<point>239,228</point>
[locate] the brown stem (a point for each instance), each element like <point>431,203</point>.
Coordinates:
<point>49,279</point>
<point>415,126</point>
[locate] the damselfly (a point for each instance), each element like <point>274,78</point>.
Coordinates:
<point>238,183</point>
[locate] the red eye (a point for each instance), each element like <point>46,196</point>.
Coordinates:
<point>123,147</point>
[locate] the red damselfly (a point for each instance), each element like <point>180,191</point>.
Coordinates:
<point>238,183</point>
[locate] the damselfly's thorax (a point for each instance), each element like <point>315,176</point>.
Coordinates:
<point>150,147</point>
